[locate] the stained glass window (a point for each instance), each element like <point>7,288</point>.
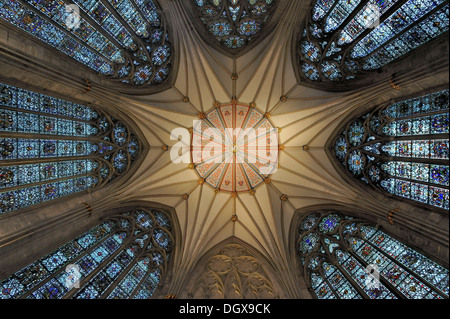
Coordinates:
<point>124,257</point>
<point>116,38</point>
<point>234,23</point>
<point>344,38</point>
<point>50,148</point>
<point>402,149</point>
<point>351,259</point>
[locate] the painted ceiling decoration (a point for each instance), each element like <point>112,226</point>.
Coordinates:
<point>51,148</point>
<point>259,88</point>
<point>343,39</point>
<point>123,40</point>
<point>234,23</point>
<point>242,153</point>
<point>401,149</point>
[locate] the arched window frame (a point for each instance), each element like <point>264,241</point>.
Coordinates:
<point>202,22</point>
<point>357,75</point>
<point>48,276</point>
<point>332,245</point>
<point>103,174</point>
<point>139,56</point>
<point>368,182</point>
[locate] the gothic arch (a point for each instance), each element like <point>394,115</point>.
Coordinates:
<point>329,53</point>
<point>222,23</point>
<point>52,127</point>
<point>427,108</point>
<point>125,253</point>
<point>124,46</point>
<point>233,269</point>
<point>331,238</point>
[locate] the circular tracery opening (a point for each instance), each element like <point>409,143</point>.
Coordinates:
<point>234,147</point>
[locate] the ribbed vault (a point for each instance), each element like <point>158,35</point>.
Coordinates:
<point>306,119</point>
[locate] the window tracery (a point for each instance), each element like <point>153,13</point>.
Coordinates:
<point>234,23</point>
<point>347,258</point>
<point>401,149</point>
<point>342,39</point>
<point>50,148</point>
<point>123,257</point>
<point>124,40</point>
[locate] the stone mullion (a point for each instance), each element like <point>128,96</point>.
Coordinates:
<point>136,38</point>
<point>396,36</point>
<point>62,269</point>
<point>431,113</point>
<point>417,181</point>
<point>43,160</point>
<point>57,25</point>
<point>347,47</point>
<point>11,108</point>
<point>85,281</point>
<point>41,136</point>
<point>386,158</point>
<point>415,275</point>
<point>125,271</point>
<point>9,189</point>
<point>382,280</point>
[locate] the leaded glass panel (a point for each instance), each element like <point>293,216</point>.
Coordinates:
<point>402,149</point>
<point>342,39</point>
<point>50,148</point>
<point>112,260</point>
<point>234,24</point>
<point>353,260</point>
<point>118,39</point>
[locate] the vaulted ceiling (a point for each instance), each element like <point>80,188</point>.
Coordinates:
<point>265,76</point>
<point>306,118</point>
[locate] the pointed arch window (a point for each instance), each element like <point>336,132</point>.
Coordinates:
<point>344,38</point>
<point>123,257</point>
<point>234,23</point>
<point>401,149</point>
<point>347,258</point>
<point>51,148</point>
<point>123,40</point>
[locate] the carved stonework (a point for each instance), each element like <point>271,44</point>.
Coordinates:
<point>233,274</point>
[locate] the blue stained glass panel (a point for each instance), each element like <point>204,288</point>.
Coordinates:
<point>356,133</point>
<point>310,72</point>
<point>366,18</point>
<point>128,11</point>
<point>310,51</point>
<point>329,223</point>
<point>421,33</point>
<point>309,243</point>
<point>331,71</point>
<point>356,162</point>
<point>439,197</point>
<point>341,148</point>
<point>220,29</point>
<point>249,28</point>
<point>16,14</point>
<point>321,8</point>
<point>439,174</point>
<point>340,12</point>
